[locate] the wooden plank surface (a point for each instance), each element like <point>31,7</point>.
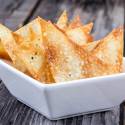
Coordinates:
<point>106,15</point>
<point>14,13</point>
<point>7,7</point>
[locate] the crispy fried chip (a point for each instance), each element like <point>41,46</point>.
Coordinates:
<point>33,58</point>
<point>106,56</point>
<point>32,51</point>
<point>63,20</point>
<point>30,31</point>
<point>80,35</point>
<point>10,45</point>
<point>64,62</point>
<point>75,30</point>
<point>3,53</point>
<point>88,27</point>
<point>62,52</point>
<point>76,22</point>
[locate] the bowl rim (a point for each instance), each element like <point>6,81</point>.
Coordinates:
<point>40,84</point>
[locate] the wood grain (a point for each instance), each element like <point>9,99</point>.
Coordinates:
<point>7,7</point>
<point>14,13</point>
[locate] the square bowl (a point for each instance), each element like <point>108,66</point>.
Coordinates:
<point>62,100</point>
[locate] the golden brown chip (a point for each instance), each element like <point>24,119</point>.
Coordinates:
<point>57,53</point>
<point>27,55</point>
<point>107,56</point>
<point>63,20</point>
<point>30,31</point>
<point>65,63</point>
<point>76,22</point>
<point>80,35</point>
<point>3,53</point>
<point>33,59</point>
<point>32,50</point>
<point>10,45</point>
<point>88,27</point>
<point>75,30</point>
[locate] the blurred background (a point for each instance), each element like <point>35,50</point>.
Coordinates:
<point>106,14</point>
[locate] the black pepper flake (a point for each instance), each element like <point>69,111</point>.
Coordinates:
<point>32,57</point>
<point>70,75</point>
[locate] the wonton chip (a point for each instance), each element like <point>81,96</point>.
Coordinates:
<point>32,50</point>
<point>65,63</point>
<point>76,31</point>
<point>106,57</point>
<point>63,20</point>
<point>10,45</point>
<point>62,52</point>
<point>30,31</point>
<point>80,35</point>
<point>33,58</point>
<point>88,28</point>
<point>76,22</point>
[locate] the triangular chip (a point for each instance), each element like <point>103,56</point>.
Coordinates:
<point>80,35</point>
<point>107,56</point>
<point>10,45</point>
<point>32,50</point>
<point>76,22</point>
<point>30,31</point>
<point>65,63</point>
<point>88,27</point>
<point>63,20</point>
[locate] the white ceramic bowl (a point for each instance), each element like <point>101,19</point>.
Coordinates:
<point>60,100</point>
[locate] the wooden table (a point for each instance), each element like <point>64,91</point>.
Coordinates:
<point>106,14</point>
